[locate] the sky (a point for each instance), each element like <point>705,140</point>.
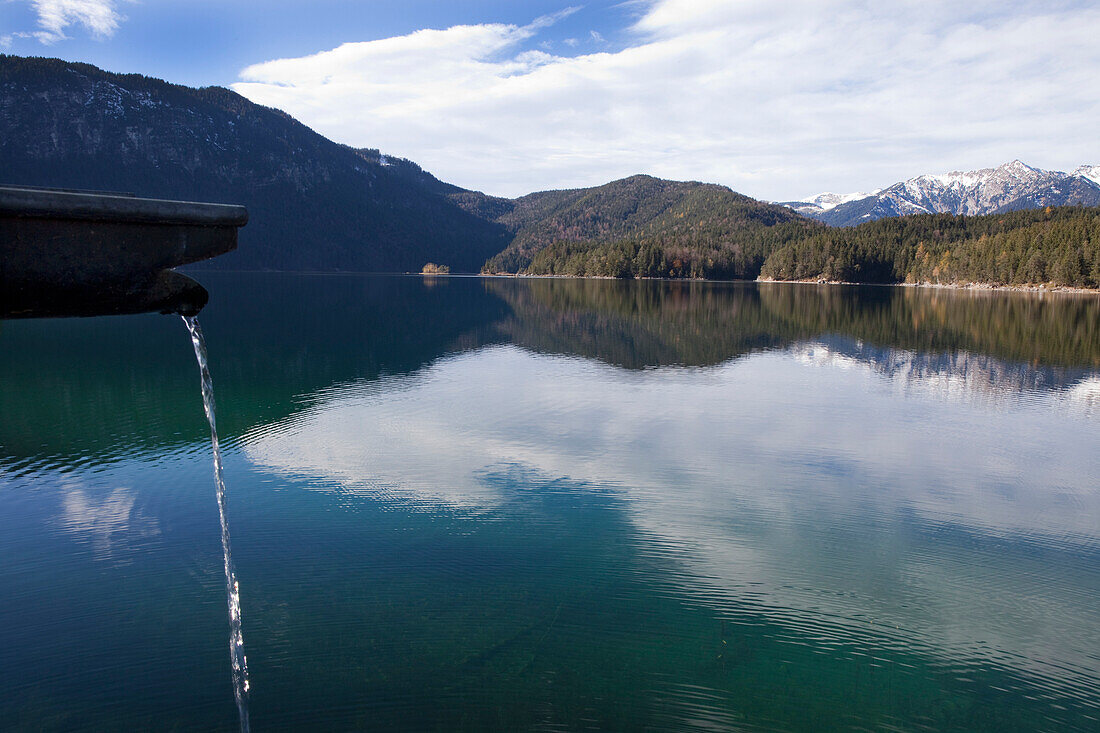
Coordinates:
<point>777,100</point>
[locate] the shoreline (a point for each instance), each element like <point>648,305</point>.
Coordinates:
<point>973,286</point>
<point>1006,288</point>
<point>986,287</point>
<point>978,287</point>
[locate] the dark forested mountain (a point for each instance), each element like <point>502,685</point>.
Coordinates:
<point>1059,246</point>
<point>1009,187</point>
<point>314,204</point>
<point>644,227</point>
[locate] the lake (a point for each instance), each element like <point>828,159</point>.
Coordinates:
<point>499,504</point>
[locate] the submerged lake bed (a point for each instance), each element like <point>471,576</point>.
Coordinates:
<point>519,504</point>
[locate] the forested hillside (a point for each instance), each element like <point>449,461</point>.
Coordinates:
<point>1059,246</point>
<point>645,227</point>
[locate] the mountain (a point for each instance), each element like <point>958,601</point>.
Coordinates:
<point>318,205</point>
<point>314,204</point>
<point>644,226</point>
<point>1008,187</point>
<point>823,202</point>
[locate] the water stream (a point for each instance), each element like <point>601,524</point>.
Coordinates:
<point>233,592</point>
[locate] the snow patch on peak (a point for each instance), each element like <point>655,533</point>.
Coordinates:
<point>1019,165</point>
<point>956,179</point>
<point>969,179</point>
<point>1091,172</point>
<point>1020,170</point>
<point>828,201</point>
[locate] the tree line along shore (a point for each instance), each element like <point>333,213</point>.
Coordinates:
<point>1052,247</point>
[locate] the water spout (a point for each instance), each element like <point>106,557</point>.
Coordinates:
<point>233,591</point>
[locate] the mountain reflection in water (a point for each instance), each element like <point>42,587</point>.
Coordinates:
<point>502,504</point>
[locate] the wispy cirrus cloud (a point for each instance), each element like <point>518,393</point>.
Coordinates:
<point>776,100</point>
<point>100,18</point>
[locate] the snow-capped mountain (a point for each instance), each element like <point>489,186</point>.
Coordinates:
<point>1008,187</point>
<point>825,201</point>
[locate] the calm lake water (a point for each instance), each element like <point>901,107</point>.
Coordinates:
<point>469,504</point>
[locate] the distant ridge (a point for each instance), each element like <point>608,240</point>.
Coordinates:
<point>1009,187</point>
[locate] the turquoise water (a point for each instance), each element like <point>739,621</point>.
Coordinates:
<point>470,504</point>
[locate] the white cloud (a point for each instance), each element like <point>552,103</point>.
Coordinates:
<point>776,100</point>
<point>99,17</point>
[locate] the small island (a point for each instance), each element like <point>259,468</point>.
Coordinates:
<point>433,269</point>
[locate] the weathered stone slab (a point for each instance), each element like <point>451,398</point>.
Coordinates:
<point>62,252</point>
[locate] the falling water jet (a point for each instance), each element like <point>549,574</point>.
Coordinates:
<point>236,640</point>
<point>65,252</point>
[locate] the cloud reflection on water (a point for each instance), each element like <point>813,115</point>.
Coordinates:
<point>824,496</point>
<point>108,523</point>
